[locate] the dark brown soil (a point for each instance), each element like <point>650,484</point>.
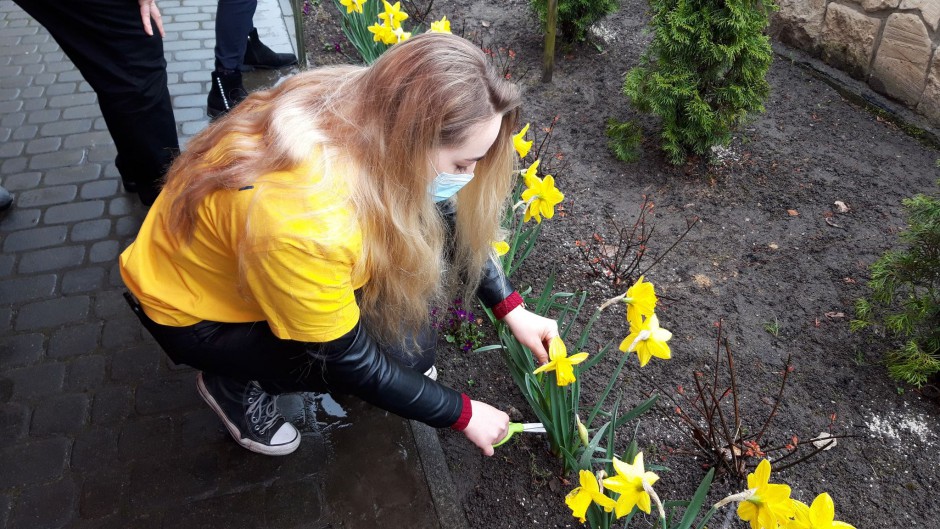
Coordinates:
<point>771,253</point>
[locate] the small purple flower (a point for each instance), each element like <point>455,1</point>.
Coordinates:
<point>306,8</point>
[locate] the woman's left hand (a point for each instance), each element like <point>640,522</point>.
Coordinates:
<point>532,331</point>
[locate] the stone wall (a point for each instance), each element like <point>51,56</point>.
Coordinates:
<point>890,44</point>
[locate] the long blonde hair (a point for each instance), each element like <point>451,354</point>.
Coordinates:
<point>382,122</point>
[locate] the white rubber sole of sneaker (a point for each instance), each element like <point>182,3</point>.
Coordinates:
<point>279,450</point>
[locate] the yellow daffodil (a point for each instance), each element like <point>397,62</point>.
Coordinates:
<point>770,505</point>
<point>400,34</point>
<point>393,16</point>
<point>518,141</point>
<point>648,339</point>
<point>352,5</point>
<point>821,515</point>
<point>640,300</point>
<point>382,33</point>
<point>581,497</point>
<point>441,26</point>
<point>501,247</point>
<point>540,195</point>
<point>629,484</point>
<point>560,362</point>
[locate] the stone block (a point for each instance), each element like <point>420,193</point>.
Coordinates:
<point>102,493</point>
<point>21,350</point>
<point>112,404</point>
<point>94,449</point>
<point>91,230</point>
<point>99,189</point>
<point>930,102</point>
<point>34,462</point>
<point>799,22</point>
<point>166,394</point>
<point>52,313</point>
<point>72,175</point>
<point>85,373</point>
<point>21,181</point>
<point>901,63</point>
<point>104,251</point>
<point>37,381</point>
<point>50,506</point>
<point>849,39</point>
<point>929,9</point>
<point>19,219</point>
<point>29,288</point>
<point>34,238</point>
<point>43,145</point>
<point>14,420</point>
<point>161,483</point>
<point>77,211</point>
<point>45,196</point>
<point>61,414</point>
<point>75,340</point>
<point>147,438</point>
<point>135,363</point>
<point>51,259</point>
<point>83,280</point>
<point>121,332</point>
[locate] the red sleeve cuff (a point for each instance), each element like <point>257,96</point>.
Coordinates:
<point>505,306</point>
<point>465,414</point>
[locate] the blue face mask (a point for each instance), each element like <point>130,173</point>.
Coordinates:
<point>446,185</point>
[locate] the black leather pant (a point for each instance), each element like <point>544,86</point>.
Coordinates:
<point>250,351</point>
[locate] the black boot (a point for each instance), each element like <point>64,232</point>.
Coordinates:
<point>227,91</point>
<point>258,55</point>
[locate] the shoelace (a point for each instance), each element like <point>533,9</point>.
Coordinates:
<point>262,409</point>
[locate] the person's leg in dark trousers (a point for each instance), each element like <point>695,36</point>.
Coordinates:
<point>126,68</point>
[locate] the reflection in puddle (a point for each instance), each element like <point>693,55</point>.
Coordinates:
<point>313,412</point>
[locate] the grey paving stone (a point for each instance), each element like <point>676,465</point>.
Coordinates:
<point>61,89</point>
<point>99,189</point>
<point>79,112</point>
<point>122,331</point>
<point>11,149</point>
<point>37,461</point>
<point>112,404</point>
<point>19,219</point>
<point>21,350</point>
<point>45,116</point>
<point>14,420</point>
<point>199,54</point>
<point>135,363</point>
<point>5,505</point>
<point>46,196</point>
<point>102,152</point>
<point>74,340</point>
<point>27,288</point>
<point>114,276</point>
<point>51,259</point>
<point>61,128</point>
<point>20,81</point>
<point>59,158</point>
<point>35,238</point>
<point>167,394</point>
<point>104,251</point>
<point>72,175</point>
<point>9,94</point>
<point>295,503</point>
<point>74,212</point>
<point>6,319</point>
<point>178,45</point>
<point>37,103</point>
<point>196,76</point>
<point>13,165</point>
<point>111,304</point>
<point>83,280</point>
<point>173,67</point>
<point>150,437</point>
<point>10,106</point>
<point>182,479</point>
<point>43,145</point>
<point>5,133</point>
<point>94,448</point>
<point>14,119</point>
<point>69,74</point>
<point>243,509</point>
<point>72,100</point>
<point>21,181</point>
<point>186,88</point>
<point>90,230</point>
<point>102,493</point>
<point>10,71</point>
<point>198,100</point>
<point>25,132</point>
<point>60,414</point>
<point>52,313</point>
<point>6,264</point>
<point>85,373</point>
<point>194,127</point>
<point>127,226</point>
<point>38,381</point>
<point>31,92</point>
<point>121,206</point>
<point>47,78</point>
<point>87,139</point>
<point>34,507</point>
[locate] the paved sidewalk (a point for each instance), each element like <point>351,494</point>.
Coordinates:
<point>98,429</point>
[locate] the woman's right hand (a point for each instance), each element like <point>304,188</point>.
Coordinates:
<point>487,426</point>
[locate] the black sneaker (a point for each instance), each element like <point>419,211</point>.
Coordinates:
<point>6,199</point>
<point>257,55</point>
<point>249,414</point>
<point>226,92</point>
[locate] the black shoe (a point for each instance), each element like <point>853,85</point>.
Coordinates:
<point>249,414</point>
<point>6,199</point>
<point>227,91</point>
<point>260,56</point>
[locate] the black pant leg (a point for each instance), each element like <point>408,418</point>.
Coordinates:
<point>233,22</point>
<point>105,40</point>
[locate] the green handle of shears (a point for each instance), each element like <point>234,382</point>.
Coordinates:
<point>514,428</point>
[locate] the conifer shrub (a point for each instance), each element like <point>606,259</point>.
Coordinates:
<point>905,295</point>
<point>703,72</point>
<point>576,16</point>
<point>624,139</point>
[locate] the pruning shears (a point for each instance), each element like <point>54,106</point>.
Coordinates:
<point>517,427</point>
